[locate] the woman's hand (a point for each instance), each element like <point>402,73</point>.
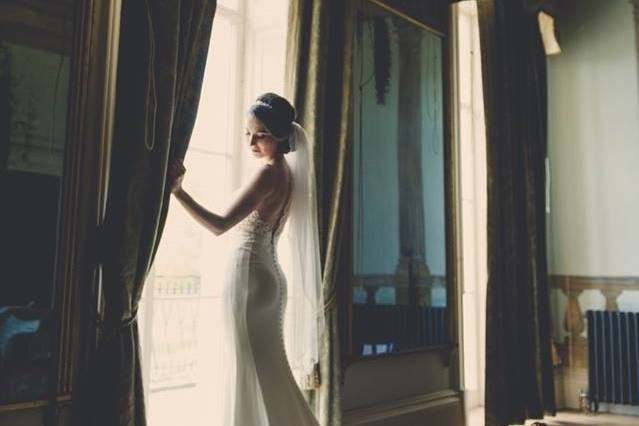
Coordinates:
<point>175,176</point>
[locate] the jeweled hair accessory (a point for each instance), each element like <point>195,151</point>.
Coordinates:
<point>264,104</point>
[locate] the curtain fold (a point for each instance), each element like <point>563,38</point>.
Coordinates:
<point>319,68</point>
<point>519,372</point>
<point>162,55</point>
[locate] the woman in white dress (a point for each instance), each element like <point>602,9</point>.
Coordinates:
<point>280,198</point>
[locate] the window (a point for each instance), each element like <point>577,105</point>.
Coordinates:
<point>181,304</point>
<point>35,92</point>
<point>399,171</point>
<point>472,169</point>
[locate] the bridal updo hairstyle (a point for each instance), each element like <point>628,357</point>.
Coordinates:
<point>278,115</point>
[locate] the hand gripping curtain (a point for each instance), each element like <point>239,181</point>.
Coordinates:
<point>162,55</point>
<point>519,373</point>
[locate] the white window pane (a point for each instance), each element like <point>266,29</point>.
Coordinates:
<point>216,126</point>
<point>473,191</point>
<point>265,57</point>
<point>269,61</point>
<point>229,4</point>
<point>180,327</point>
<point>187,249</point>
<point>467,150</point>
<point>181,309</point>
<point>465,58</point>
<point>266,49</point>
<point>264,13</point>
<point>471,342</point>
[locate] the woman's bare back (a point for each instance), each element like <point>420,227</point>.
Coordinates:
<point>275,205</point>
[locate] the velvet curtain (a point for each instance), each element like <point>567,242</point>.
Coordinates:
<point>320,47</point>
<point>162,55</point>
<point>519,372</point>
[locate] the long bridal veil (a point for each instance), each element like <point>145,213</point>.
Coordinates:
<point>299,254</point>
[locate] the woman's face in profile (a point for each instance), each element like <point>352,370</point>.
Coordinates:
<point>260,141</point>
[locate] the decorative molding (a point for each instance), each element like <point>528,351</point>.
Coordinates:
<point>582,282</point>
<point>387,280</point>
<point>63,400</point>
<point>393,411</point>
<point>611,296</point>
<point>574,350</point>
<point>22,406</point>
<point>370,283</point>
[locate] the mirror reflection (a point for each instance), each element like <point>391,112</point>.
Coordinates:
<point>35,46</point>
<point>399,228</point>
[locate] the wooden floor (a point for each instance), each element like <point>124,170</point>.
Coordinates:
<point>476,418</point>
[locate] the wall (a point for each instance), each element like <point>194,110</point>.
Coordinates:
<point>593,149</point>
<point>386,390</point>
<point>593,108</point>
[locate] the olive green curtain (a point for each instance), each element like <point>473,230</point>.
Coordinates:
<point>319,58</point>
<point>519,372</point>
<point>162,55</point>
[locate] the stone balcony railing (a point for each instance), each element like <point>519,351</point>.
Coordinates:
<point>169,321</point>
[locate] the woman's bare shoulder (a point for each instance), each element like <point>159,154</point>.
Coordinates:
<point>277,174</point>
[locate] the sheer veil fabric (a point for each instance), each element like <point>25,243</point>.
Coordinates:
<point>301,264</point>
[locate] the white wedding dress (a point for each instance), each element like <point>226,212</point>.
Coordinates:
<point>265,391</point>
<point>270,332</point>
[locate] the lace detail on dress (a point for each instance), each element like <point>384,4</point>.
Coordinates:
<point>254,224</point>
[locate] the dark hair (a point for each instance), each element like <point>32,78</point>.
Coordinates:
<point>278,115</point>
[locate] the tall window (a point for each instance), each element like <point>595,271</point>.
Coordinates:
<point>181,306</point>
<point>472,177</point>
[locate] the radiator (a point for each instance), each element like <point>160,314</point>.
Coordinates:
<point>613,357</point>
<point>400,327</point>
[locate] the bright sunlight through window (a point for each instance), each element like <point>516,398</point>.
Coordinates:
<point>180,309</point>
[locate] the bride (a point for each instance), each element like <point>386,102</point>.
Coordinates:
<point>279,201</point>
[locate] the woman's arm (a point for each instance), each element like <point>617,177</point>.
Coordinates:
<point>248,200</point>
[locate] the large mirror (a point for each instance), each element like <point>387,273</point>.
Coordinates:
<point>399,286</point>
<point>35,47</point>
